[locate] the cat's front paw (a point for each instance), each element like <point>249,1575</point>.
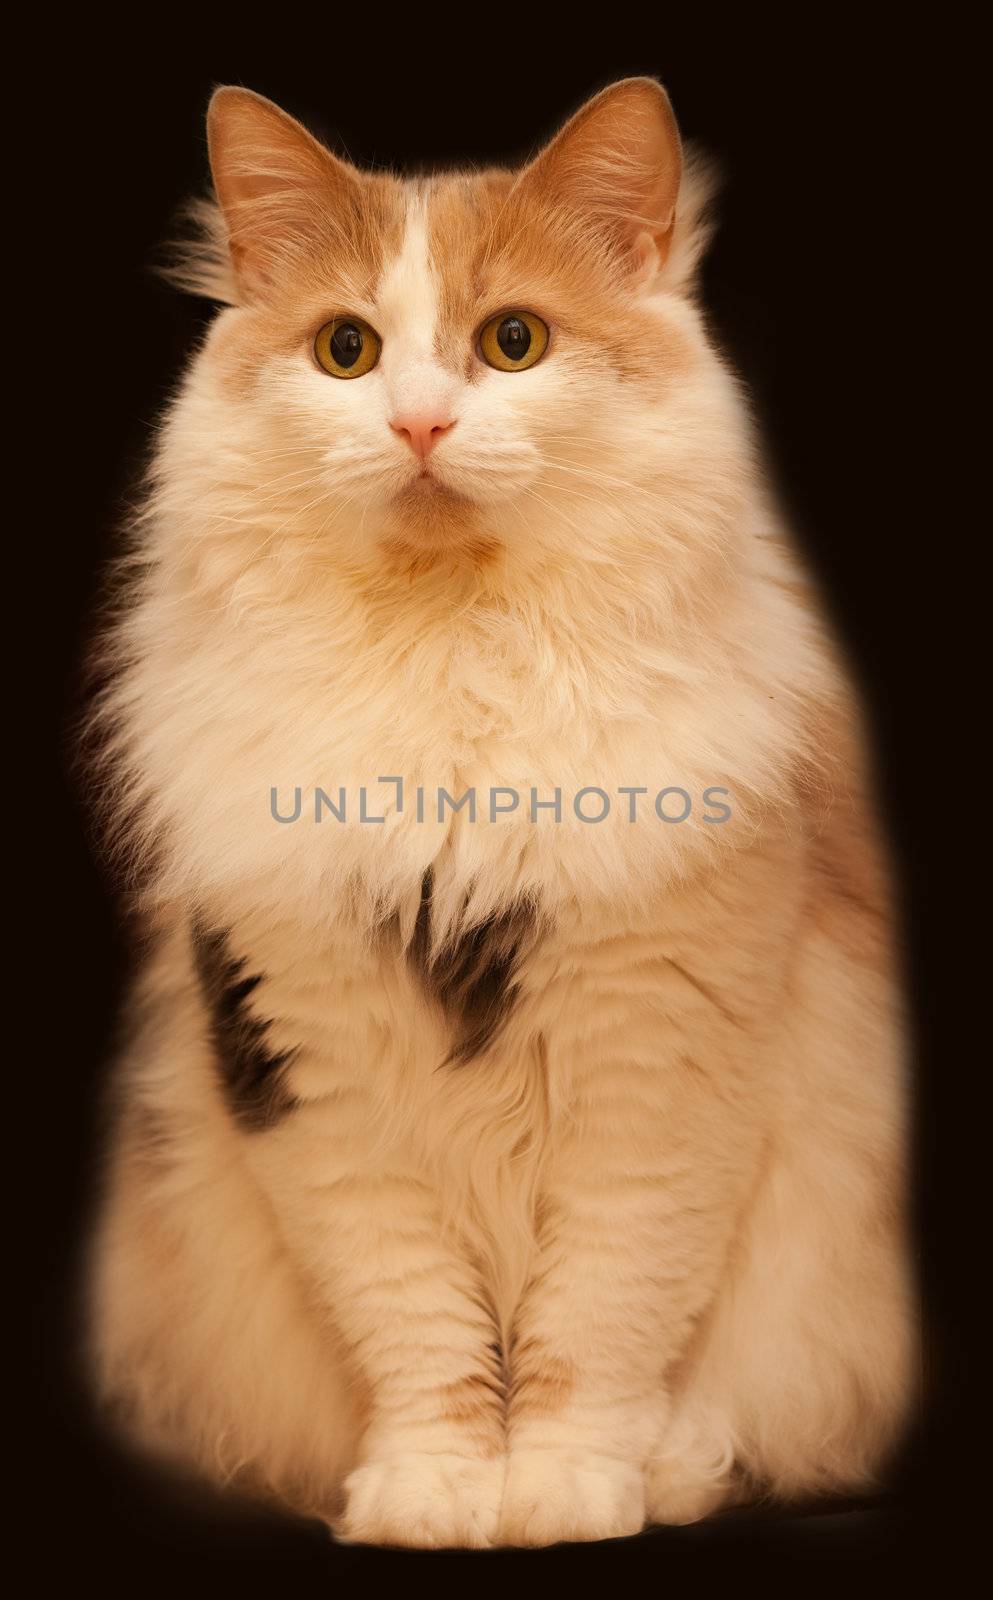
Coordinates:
<point>552,1496</point>
<point>426,1502</point>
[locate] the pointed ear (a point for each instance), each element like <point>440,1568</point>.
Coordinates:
<point>618,162</point>
<point>275,183</point>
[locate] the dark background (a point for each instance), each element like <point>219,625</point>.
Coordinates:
<point>807,285</point>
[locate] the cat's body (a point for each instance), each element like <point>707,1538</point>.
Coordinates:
<point>548,1178</point>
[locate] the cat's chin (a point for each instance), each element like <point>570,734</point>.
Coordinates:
<point>429,516</point>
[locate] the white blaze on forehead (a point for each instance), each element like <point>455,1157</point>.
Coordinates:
<point>408,304</point>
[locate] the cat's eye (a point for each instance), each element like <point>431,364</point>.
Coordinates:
<point>513,340</point>
<point>347,347</point>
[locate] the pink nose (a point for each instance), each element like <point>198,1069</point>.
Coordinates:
<point>422,430</point>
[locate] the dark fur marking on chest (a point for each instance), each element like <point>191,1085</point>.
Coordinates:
<point>473,977</point>
<point>251,1074</point>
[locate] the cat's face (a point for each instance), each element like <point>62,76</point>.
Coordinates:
<point>455,361</point>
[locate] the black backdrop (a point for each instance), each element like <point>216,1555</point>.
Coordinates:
<point>806,284</point>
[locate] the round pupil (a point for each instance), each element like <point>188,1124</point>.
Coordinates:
<point>346,344</point>
<point>514,337</point>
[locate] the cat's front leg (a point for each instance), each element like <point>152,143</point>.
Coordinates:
<point>368,1229</point>
<point>431,1467</point>
<point>634,1221</point>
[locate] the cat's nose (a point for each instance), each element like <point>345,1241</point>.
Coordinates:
<point>422,429</point>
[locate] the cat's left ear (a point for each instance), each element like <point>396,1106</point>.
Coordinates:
<point>618,161</point>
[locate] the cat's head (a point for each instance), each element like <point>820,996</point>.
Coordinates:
<point>472,361</point>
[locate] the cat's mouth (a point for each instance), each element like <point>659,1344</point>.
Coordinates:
<point>427,485</point>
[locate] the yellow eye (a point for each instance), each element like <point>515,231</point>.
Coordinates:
<point>347,347</point>
<point>513,340</point>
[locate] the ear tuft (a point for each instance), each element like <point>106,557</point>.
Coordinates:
<point>198,259</point>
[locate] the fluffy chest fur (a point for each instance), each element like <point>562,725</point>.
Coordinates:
<point>364,721</point>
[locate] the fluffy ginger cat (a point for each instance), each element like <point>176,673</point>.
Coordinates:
<point>511,1121</point>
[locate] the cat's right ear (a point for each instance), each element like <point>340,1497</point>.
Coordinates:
<point>275,184</point>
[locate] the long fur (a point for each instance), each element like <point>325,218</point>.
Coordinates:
<point>637,1248</point>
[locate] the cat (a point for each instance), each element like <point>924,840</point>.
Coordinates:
<point>532,1169</point>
